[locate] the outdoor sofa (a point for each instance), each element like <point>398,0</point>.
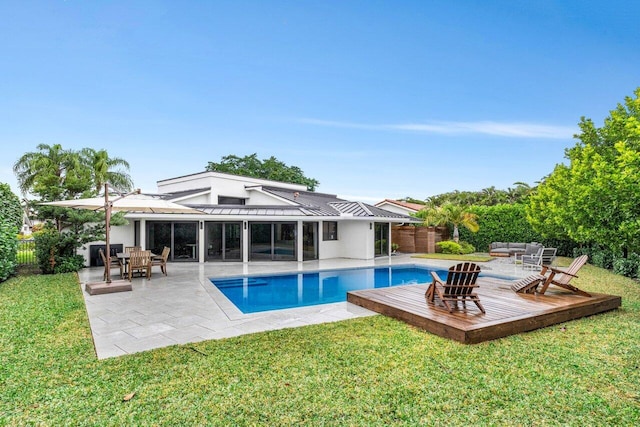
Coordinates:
<point>506,249</point>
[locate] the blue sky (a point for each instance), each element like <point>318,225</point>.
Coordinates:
<point>375,99</point>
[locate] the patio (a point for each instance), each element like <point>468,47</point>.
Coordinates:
<point>184,307</point>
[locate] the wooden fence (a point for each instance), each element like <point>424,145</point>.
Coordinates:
<point>412,239</point>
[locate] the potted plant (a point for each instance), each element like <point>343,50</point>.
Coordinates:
<point>394,248</point>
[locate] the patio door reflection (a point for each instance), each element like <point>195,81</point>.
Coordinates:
<point>223,241</point>
<point>159,236</point>
<point>181,237</point>
<point>309,241</point>
<point>381,238</point>
<point>272,241</point>
<point>185,241</point>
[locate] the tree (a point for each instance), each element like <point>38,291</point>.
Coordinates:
<point>595,199</point>
<point>52,173</point>
<point>449,213</point>
<point>489,196</point>
<point>270,168</point>
<point>459,215</point>
<point>429,215</point>
<point>105,169</point>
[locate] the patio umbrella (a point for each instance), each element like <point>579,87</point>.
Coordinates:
<point>131,202</point>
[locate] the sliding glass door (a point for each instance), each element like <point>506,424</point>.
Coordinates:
<point>272,241</point>
<point>381,239</point>
<point>180,237</point>
<point>223,241</point>
<point>309,241</point>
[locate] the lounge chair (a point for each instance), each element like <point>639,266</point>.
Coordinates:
<point>459,285</point>
<point>161,260</point>
<point>115,262</point>
<point>558,277</point>
<point>563,277</point>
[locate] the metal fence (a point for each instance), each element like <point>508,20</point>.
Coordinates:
<point>27,253</point>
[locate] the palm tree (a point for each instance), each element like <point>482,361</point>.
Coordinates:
<point>48,171</point>
<point>101,166</point>
<point>429,215</point>
<point>458,215</point>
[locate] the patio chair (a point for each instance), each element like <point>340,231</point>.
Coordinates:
<point>562,278</point>
<point>115,262</point>
<point>459,285</point>
<point>128,249</point>
<point>161,260</point>
<point>140,262</point>
<point>544,256</point>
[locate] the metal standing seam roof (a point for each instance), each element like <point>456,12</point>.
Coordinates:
<point>247,210</point>
<point>306,203</point>
<point>330,204</point>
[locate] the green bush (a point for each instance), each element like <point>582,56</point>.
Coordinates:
<point>450,247</point>
<point>629,267</point>
<point>467,248</point>
<point>603,258</point>
<point>10,222</point>
<point>583,251</point>
<point>56,252</point>
<point>507,223</point>
<point>8,249</point>
<point>69,264</point>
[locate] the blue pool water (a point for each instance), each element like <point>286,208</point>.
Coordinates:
<point>253,294</point>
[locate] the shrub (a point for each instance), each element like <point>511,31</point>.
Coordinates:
<point>8,249</point>
<point>450,247</point>
<point>10,208</point>
<point>69,264</point>
<point>603,259</point>
<point>55,252</point>
<point>629,267</point>
<point>508,223</point>
<point>583,251</point>
<point>467,248</point>
<point>10,221</point>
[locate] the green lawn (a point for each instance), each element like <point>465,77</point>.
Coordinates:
<point>368,371</point>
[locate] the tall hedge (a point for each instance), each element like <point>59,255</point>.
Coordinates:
<point>506,223</point>
<point>10,222</point>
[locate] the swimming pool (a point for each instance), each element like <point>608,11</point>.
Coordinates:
<point>252,294</point>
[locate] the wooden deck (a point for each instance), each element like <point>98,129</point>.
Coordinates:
<point>508,313</point>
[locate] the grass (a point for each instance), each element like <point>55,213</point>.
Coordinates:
<point>367,371</point>
<point>454,257</point>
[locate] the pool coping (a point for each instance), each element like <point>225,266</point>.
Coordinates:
<point>184,307</point>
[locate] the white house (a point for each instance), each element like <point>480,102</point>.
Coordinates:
<point>247,219</point>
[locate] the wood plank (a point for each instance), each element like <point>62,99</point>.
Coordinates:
<point>508,312</point>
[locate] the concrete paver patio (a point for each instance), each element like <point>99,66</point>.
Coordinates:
<point>184,307</point>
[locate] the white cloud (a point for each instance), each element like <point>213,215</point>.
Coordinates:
<point>506,129</point>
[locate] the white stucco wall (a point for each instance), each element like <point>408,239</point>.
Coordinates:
<point>223,185</point>
<point>355,240</point>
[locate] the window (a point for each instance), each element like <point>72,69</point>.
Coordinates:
<point>225,200</point>
<point>330,230</point>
